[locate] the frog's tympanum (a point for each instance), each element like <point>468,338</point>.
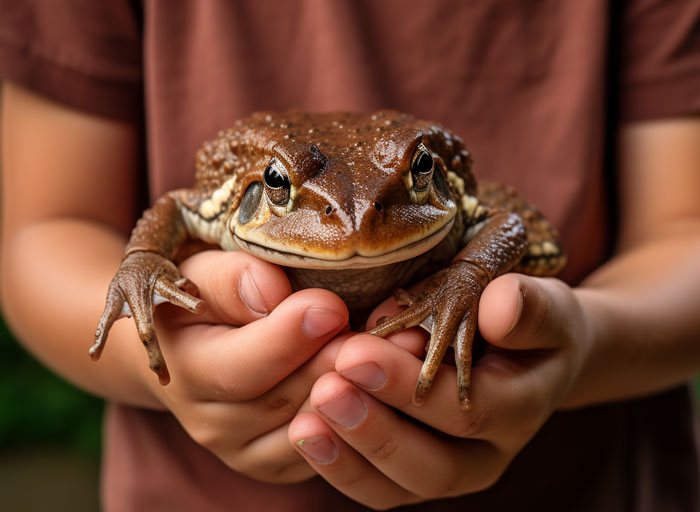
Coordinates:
<point>359,204</point>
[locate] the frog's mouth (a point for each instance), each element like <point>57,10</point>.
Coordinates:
<point>289,259</point>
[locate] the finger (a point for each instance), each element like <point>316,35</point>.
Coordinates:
<point>222,363</point>
<point>343,467</point>
<point>237,287</point>
<point>408,454</point>
<point>250,418</point>
<point>251,436</point>
<point>270,457</point>
<point>503,393</point>
<point>265,455</point>
<point>521,312</point>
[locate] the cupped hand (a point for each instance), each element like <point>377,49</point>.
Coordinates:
<point>367,438</point>
<point>244,368</point>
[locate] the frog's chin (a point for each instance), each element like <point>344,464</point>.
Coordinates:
<point>289,259</point>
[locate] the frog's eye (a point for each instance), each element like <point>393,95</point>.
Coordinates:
<point>277,183</point>
<point>422,168</point>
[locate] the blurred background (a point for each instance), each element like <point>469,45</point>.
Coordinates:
<point>50,434</point>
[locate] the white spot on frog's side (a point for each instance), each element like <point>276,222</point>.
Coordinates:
<point>220,196</point>
<point>456,182</point>
<point>469,206</point>
<point>534,250</point>
<point>208,210</point>
<point>549,248</point>
<point>216,204</point>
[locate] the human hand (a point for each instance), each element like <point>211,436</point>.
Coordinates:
<point>243,369</point>
<point>358,441</point>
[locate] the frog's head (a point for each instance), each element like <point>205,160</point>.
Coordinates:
<point>345,190</point>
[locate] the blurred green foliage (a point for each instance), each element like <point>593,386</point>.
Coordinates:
<point>37,407</point>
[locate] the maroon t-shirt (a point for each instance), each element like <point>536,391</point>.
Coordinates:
<point>536,88</point>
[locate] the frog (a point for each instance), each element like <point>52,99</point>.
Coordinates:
<point>361,204</point>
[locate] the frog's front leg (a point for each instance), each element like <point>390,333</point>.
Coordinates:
<point>147,276</point>
<point>450,299</point>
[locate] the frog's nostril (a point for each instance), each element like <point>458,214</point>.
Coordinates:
<point>378,206</point>
<point>329,210</point>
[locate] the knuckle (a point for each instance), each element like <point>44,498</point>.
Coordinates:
<point>350,480</point>
<point>207,436</point>
<point>384,450</point>
<point>439,487</point>
<point>474,423</point>
<point>280,404</point>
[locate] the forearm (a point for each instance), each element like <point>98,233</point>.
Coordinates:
<point>55,275</point>
<point>642,310</point>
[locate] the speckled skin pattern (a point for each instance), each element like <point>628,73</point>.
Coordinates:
<point>360,204</point>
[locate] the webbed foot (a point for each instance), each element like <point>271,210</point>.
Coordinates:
<point>144,280</point>
<point>447,308</point>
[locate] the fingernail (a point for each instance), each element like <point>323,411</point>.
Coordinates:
<point>368,375</point>
<point>318,322</point>
<point>518,312</point>
<point>250,295</point>
<point>348,410</point>
<point>319,448</point>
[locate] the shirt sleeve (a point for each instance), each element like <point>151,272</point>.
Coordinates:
<point>83,53</point>
<point>659,59</point>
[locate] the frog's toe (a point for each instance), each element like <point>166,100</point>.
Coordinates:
<point>462,345</point>
<point>409,317</point>
<point>114,307</point>
<point>142,308</point>
<point>180,293</point>
<point>443,335</point>
<point>404,299</point>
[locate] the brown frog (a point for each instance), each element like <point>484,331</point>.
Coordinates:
<point>359,204</point>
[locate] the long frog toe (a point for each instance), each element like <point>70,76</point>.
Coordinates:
<point>147,333</point>
<point>181,293</point>
<point>462,345</point>
<point>448,316</point>
<point>113,310</point>
<point>410,317</point>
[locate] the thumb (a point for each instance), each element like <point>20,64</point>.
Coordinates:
<point>525,313</point>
